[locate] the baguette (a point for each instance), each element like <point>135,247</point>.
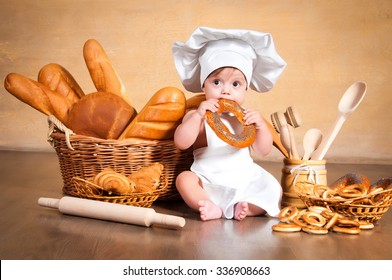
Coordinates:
<point>159,117</point>
<point>101,114</point>
<point>102,73</point>
<point>38,96</point>
<point>58,79</point>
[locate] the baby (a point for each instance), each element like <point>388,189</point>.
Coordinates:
<point>224,181</point>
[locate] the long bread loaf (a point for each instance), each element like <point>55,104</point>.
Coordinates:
<point>159,117</point>
<point>38,96</point>
<point>102,73</point>
<point>58,79</point>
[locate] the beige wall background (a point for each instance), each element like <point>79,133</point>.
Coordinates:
<point>327,44</point>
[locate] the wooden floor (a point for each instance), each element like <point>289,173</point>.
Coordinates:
<point>29,231</point>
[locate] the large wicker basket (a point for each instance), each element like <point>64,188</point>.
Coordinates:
<point>371,211</point>
<point>84,157</point>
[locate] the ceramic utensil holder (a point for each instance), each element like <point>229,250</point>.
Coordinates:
<point>293,171</point>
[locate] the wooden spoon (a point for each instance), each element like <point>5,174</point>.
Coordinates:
<point>280,125</point>
<point>311,141</point>
<point>347,105</point>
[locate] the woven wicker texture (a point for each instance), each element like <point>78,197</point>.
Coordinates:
<point>369,207</point>
<point>90,156</point>
<point>86,189</point>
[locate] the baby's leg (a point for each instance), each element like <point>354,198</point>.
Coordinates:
<point>190,188</point>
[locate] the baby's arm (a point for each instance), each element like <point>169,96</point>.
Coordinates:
<point>188,131</point>
<point>264,141</point>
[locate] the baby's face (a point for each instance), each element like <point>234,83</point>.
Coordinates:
<point>228,83</point>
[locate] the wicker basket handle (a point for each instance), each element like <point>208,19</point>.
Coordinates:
<point>56,123</point>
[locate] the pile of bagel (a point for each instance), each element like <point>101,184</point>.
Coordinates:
<point>352,189</point>
<point>107,113</point>
<point>317,220</point>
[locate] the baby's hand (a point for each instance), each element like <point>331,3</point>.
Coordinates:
<point>208,105</point>
<point>253,116</point>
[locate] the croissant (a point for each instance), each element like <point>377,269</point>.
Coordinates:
<point>114,183</point>
<point>147,178</point>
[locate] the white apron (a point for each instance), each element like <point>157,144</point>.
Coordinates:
<point>229,175</point>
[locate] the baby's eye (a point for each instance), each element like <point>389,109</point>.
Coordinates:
<point>236,84</point>
<point>217,82</point>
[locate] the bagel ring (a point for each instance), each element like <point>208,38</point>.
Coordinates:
<point>353,191</point>
<point>332,221</point>
<point>365,225</point>
<point>320,189</point>
<point>384,183</point>
<point>315,229</point>
<point>314,219</point>
<point>317,209</point>
<point>299,220</point>
<point>350,179</point>
<point>348,230</point>
<point>282,227</point>
<point>347,223</point>
<point>242,140</point>
<point>287,214</point>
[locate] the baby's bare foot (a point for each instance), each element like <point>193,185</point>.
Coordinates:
<point>209,210</point>
<point>240,210</point>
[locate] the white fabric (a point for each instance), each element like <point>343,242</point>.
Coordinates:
<point>229,175</point>
<point>208,49</point>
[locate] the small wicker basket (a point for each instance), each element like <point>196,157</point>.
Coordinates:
<point>370,207</point>
<point>84,157</point>
<point>87,189</point>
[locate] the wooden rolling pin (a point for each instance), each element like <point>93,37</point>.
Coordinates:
<point>112,212</point>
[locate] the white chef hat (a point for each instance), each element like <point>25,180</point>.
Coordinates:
<point>208,49</point>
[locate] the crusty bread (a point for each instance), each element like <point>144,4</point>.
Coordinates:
<point>58,79</point>
<point>101,114</point>
<point>38,96</point>
<point>159,117</point>
<point>102,73</point>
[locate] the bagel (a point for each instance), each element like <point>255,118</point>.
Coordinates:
<point>365,225</point>
<point>242,140</point>
<point>282,227</point>
<point>383,183</point>
<point>350,179</point>
<point>287,214</point>
<point>353,191</point>
<point>347,230</point>
<point>315,229</point>
<point>298,220</point>
<point>332,221</point>
<point>314,219</point>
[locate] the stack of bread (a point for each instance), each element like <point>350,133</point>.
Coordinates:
<point>107,113</point>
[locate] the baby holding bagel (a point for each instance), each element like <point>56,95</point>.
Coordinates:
<point>224,181</point>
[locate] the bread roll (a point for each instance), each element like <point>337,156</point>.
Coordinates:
<point>58,79</point>
<point>102,73</point>
<point>159,117</point>
<point>38,96</point>
<point>101,114</point>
